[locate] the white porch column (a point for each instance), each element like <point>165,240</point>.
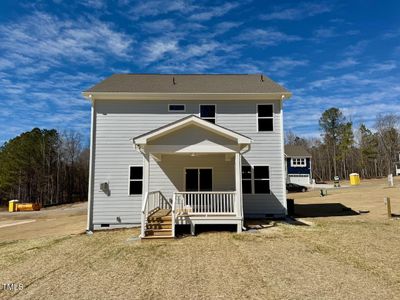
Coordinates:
<point>238,186</point>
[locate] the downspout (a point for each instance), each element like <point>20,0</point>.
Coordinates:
<point>89,227</point>
<point>247,149</point>
<point>283,157</point>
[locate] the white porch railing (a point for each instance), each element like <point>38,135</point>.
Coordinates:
<point>201,203</point>
<point>153,202</point>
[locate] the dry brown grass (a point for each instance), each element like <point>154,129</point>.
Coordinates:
<point>350,257</point>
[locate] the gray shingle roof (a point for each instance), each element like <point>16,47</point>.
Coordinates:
<point>188,83</point>
<point>300,151</point>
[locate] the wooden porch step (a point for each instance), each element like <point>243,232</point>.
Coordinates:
<point>159,219</point>
<point>159,225</point>
<point>158,232</point>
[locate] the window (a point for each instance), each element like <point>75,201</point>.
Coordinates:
<point>135,180</point>
<point>176,107</point>
<point>207,112</point>
<point>246,179</point>
<point>261,180</point>
<point>265,117</point>
<point>298,162</point>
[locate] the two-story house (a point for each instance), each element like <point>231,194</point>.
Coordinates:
<point>185,149</point>
<point>298,165</point>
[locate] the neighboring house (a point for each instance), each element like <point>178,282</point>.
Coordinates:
<point>185,149</point>
<point>298,165</point>
<point>397,164</point>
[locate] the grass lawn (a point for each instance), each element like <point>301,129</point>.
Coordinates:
<point>351,257</point>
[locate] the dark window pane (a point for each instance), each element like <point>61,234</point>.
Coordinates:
<point>135,187</point>
<point>192,180</point>
<point>205,180</point>
<point>210,120</point>
<point>265,110</point>
<point>265,124</point>
<point>246,172</point>
<point>136,173</point>
<point>261,172</point>
<point>261,186</point>
<point>176,107</point>
<point>207,111</point>
<point>246,186</point>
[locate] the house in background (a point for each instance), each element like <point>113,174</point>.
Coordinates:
<point>168,150</point>
<point>397,165</point>
<point>298,165</point>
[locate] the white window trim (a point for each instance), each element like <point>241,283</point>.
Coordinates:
<point>257,117</point>
<point>129,180</point>
<point>300,165</point>
<point>253,180</point>
<point>209,104</point>
<point>198,178</point>
<point>184,107</point>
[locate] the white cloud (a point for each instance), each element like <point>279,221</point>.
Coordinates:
<point>157,26</point>
<point>151,8</point>
<point>299,12</point>
<point>156,49</point>
<point>213,12</point>
<point>96,4</point>
<point>283,65</point>
<point>266,37</point>
<point>47,40</point>
<point>344,63</point>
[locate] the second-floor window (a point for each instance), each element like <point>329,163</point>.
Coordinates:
<point>265,117</point>
<point>176,107</point>
<point>298,162</point>
<point>208,112</point>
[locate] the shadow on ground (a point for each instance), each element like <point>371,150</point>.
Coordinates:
<point>323,210</point>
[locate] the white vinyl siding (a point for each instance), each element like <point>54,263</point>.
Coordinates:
<point>118,121</point>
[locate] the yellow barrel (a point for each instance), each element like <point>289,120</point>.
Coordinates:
<point>12,205</point>
<point>354,179</point>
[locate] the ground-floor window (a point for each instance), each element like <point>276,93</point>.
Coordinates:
<point>261,180</point>
<point>255,180</point>
<point>135,180</point>
<point>246,180</point>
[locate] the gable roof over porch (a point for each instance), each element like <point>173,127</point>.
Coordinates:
<point>230,141</point>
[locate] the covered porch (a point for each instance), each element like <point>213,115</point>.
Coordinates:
<point>191,175</point>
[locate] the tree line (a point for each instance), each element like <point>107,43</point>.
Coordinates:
<point>45,167</point>
<point>342,149</point>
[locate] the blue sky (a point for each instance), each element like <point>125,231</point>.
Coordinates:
<point>333,53</point>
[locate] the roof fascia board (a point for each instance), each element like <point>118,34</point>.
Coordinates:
<point>202,123</point>
<point>186,96</point>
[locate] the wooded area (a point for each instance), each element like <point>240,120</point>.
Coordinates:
<point>342,150</point>
<point>45,167</point>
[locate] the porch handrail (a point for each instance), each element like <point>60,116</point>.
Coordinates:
<point>200,203</point>
<point>152,201</point>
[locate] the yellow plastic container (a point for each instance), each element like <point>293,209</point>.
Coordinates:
<point>354,179</point>
<point>27,206</point>
<point>12,205</point>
